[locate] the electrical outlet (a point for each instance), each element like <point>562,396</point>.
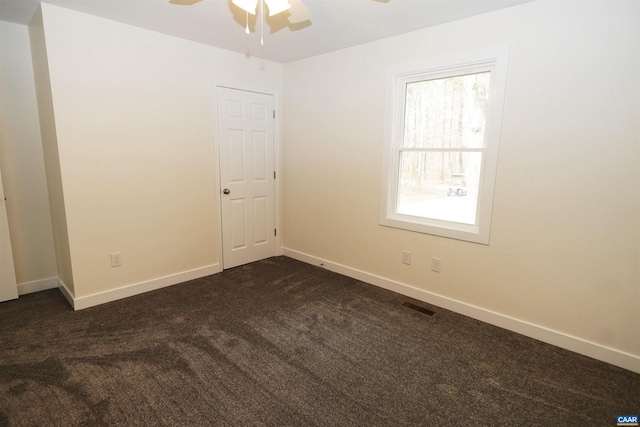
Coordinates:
<point>116,259</point>
<point>435,264</point>
<point>406,257</point>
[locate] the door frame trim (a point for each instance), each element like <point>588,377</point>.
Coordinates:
<point>277,156</point>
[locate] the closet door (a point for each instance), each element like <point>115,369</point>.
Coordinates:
<point>247,175</point>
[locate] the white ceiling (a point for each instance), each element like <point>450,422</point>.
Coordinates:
<point>335,24</point>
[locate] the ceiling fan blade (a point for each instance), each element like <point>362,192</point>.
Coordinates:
<point>298,12</point>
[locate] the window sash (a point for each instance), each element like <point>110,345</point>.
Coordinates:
<point>395,195</point>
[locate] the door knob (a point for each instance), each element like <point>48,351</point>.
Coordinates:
<point>226,191</point>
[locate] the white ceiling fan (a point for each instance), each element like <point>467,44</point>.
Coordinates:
<point>296,12</point>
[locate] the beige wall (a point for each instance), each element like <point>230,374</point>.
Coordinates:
<point>565,239</point>
<point>21,160</point>
<point>134,116</point>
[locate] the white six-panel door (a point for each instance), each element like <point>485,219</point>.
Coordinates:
<point>247,175</point>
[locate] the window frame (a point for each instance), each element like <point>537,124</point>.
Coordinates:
<point>494,60</point>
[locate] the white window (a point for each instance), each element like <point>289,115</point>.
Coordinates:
<point>443,131</point>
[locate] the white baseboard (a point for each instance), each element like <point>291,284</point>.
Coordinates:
<point>578,345</point>
<point>37,285</point>
<point>66,292</point>
<point>79,303</point>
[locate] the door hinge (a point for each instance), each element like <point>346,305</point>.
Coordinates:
<point>275,232</point>
<point>274,174</point>
<point>274,114</point>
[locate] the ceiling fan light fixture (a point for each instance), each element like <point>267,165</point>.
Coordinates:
<point>277,6</point>
<point>248,6</point>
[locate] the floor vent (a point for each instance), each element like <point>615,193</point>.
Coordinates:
<point>422,310</point>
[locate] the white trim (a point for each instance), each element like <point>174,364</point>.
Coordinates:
<point>277,158</point>
<point>79,303</point>
<point>549,336</point>
<point>38,285</point>
<point>218,186</point>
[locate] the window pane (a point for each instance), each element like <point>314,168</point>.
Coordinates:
<point>439,185</point>
<point>447,113</point>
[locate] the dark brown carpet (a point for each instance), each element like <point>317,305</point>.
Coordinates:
<point>282,343</point>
